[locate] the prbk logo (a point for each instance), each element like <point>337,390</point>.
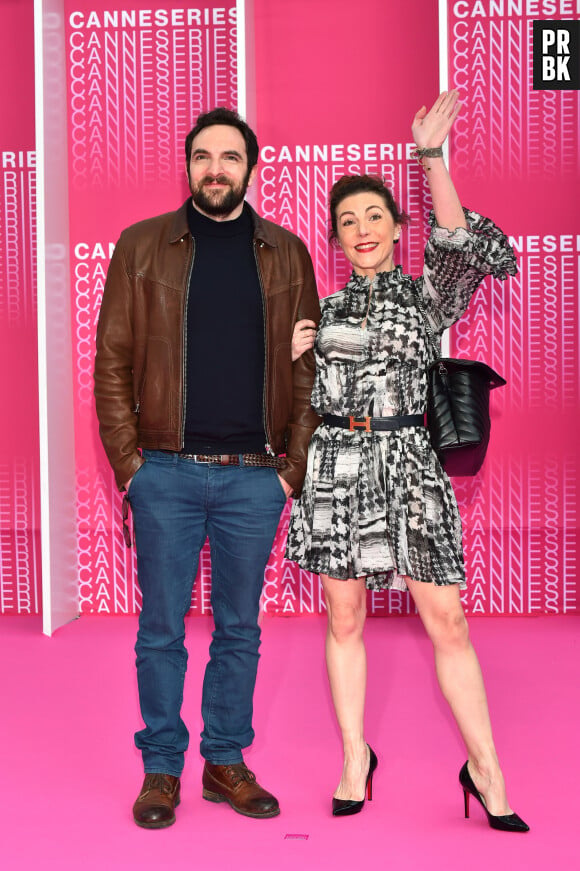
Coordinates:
<point>556,55</point>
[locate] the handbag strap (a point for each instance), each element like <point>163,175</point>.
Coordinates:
<point>434,344</point>
<point>494,379</point>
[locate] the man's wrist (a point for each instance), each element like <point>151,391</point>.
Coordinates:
<point>288,488</point>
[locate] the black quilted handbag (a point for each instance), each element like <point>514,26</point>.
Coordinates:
<point>458,412</point>
<point>458,409</point>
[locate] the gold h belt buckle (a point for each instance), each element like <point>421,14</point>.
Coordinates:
<point>365,423</point>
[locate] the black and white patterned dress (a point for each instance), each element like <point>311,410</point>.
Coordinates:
<point>379,505</point>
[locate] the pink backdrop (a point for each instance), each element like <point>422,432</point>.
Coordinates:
<point>19,463</point>
<point>327,102</point>
<point>137,78</point>
<point>515,157</point>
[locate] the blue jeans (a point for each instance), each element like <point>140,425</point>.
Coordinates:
<point>177,503</point>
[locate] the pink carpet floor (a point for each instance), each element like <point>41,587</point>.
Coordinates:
<point>69,772</point>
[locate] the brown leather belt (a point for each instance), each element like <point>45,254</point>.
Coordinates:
<point>234,459</point>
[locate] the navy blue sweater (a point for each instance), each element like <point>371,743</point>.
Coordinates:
<point>225,340</point>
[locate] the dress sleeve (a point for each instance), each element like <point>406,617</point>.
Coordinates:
<point>456,261</point>
<point>320,386</point>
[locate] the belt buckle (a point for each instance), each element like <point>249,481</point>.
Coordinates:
<point>364,423</point>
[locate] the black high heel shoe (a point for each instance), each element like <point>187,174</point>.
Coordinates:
<point>506,823</point>
<point>345,807</point>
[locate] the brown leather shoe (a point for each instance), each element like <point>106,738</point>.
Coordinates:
<point>237,785</point>
<point>156,803</point>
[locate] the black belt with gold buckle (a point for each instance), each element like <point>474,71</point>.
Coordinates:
<point>374,424</point>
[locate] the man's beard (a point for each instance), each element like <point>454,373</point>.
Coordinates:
<point>218,203</point>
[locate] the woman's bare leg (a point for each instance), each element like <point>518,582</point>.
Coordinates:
<point>347,671</point>
<point>461,682</point>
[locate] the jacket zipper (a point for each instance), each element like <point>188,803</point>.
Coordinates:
<point>137,408</point>
<point>184,354</point>
<point>268,445</point>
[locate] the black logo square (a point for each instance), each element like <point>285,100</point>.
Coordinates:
<point>556,55</point>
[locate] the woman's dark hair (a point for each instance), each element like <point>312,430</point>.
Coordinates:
<point>348,185</point>
<point>230,119</point>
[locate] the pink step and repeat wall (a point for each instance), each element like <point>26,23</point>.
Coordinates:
<point>335,92</point>
<point>19,463</point>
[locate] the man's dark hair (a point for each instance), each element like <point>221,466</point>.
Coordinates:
<point>231,119</point>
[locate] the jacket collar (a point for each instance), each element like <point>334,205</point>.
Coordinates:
<point>263,230</point>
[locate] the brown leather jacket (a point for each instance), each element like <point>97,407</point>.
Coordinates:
<point>140,360</point>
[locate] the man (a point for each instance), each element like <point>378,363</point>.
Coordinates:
<point>198,399</point>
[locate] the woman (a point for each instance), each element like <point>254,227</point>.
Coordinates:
<point>377,510</point>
